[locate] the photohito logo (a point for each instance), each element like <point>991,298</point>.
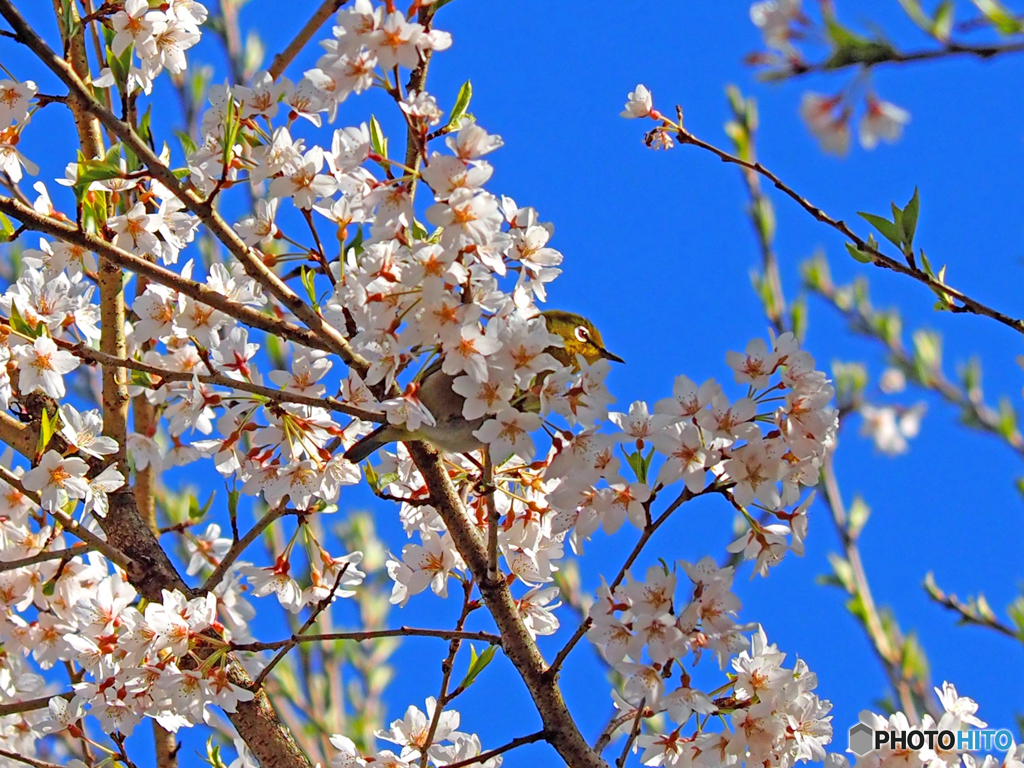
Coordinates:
<point>864,740</point>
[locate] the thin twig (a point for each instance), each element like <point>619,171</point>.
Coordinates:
<point>320,15</point>
<point>645,536</point>
<point>27,760</point>
<point>70,524</point>
<point>359,637</point>
<point>881,641</point>
<point>313,615</point>
<point>447,668</point>
<point>621,762</point>
<point>880,259</point>
<point>976,411</point>
<point>42,557</point>
<point>31,705</point>
<point>277,395</point>
<point>241,545</point>
<point>485,756</point>
<point>201,293</point>
<point>799,69</point>
<point>969,613</point>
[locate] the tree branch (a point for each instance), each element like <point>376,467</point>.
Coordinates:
<point>359,637</point>
<point>560,728</point>
<point>880,259</point>
<point>245,314</point>
<point>320,15</point>
<point>275,395</point>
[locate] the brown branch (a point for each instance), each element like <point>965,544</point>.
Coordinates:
<point>833,64</point>
<point>485,756</point>
<point>112,553</point>
<point>76,550</point>
<point>241,545</point>
<point>320,15</point>
<point>414,149</point>
<point>560,729</point>
<point>17,435</point>
<point>493,518</point>
<point>313,615</point>
<point>28,760</point>
<point>31,705</point>
<point>276,395</point>
<point>880,259</point>
<point>645,536</point>
<point>201,293</point>
<point>359,637</point>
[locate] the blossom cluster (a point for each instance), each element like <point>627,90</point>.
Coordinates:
<point>413,735</point>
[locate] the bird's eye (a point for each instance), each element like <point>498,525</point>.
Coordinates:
<point>582,334</point>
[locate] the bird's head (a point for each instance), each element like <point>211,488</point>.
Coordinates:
<point>579,336</point>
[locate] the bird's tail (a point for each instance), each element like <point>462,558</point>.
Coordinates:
<point>363,447</point>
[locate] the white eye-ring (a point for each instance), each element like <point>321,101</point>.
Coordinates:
<point>582,334</point>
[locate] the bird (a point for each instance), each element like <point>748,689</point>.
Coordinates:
<point>451,431</point>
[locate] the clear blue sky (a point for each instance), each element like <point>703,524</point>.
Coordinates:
<point>658,252</point>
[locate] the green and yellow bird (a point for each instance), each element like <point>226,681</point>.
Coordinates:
<point>451,431</point>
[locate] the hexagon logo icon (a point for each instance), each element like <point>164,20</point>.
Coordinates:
<point>860,739</point>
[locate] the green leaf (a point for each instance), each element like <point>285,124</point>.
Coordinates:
<point>636,463</point>
<point>355,244</point>
<point>188,146</point>
<point>477,664</point>
<point>233,496</point>
<point>47,429</point>
<point>140,379</point>
<point>232,125</point>
<point>378,142</point>
<point>195,512</point>
<point>942,25</point>
<point>120,67</point>
<point>461,105</point>
<point>145,129</point>
<point>308,282</point>
<point>70,25</point>
<point>914,10</point>
<point>849,49</point>
<point>6,229</point>
<point>889,230</point>
<point>925,264</point>
<point>1016,613</point>
<point>908,219</point>
<point>843,572</point>
<point>859,255</point>
<point>858,516</point>
<point>1001,18</point>
<point>21,325</point>
<point>372,478</point>
<point>419,232</point>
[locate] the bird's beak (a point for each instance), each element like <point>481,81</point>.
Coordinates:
<point>609,356</point>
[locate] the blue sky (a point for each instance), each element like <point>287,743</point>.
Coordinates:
<point>658,252</point>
